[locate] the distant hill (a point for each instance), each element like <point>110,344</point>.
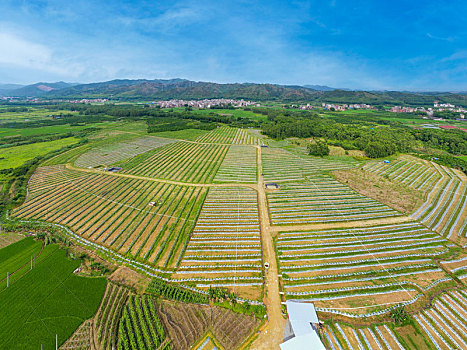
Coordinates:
<point>320,87</point>
<point>38,89</point>
<point>183,89</point>
<point>5,88</point>
<point>157,89</point>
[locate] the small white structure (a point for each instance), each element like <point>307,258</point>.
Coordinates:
<point>303,318</point>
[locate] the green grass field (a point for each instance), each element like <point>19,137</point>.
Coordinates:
<point>15,259</point>
<point>49,301</point>
<point>13,157</point>
<point>46,130</point>
<point>33,114</point>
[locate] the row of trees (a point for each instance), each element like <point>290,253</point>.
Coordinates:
<point>376,139</point>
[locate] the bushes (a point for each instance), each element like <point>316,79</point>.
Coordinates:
<point>400,316</point>
<point>173,292</point>
<point>318,148</point>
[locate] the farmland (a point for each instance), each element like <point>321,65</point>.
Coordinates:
<point>445,207</point>
<point>225,247</point>
<point>16,156</point>
<point>56,303</point>
<point>180,161</point>
<point>115,152</point>
<point>116,211</point>
<point>340,268</point>
<point>231,211</point>
<point>442,326</point>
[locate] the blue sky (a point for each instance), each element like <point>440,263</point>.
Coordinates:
<point>380,44</point>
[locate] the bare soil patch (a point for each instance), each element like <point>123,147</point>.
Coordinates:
<point>394,194</point>
<point>126,276</point>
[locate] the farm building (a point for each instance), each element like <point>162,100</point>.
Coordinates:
<point>271,186</point>
<point>114,169</point>
<point>304,322</point>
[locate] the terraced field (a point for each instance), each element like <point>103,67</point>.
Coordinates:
<point>225,248</point>
<point>109,154</point>
<point>322,199</point>
<point>281,165</point>
<point>445,208</point>
<point>180,161</point>
<point>149,220</point>
<point>239,165</point>
<point>370,267</point>
<point>443,326</point>
<point>338,336</point>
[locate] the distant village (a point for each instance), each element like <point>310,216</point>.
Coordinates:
<point>206,103</point>
<point>437,107</point>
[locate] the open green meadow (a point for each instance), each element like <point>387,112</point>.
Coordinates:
<point>49,302</point>
<point>13,157</point>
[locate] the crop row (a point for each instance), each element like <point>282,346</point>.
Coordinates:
<point>226,238</point>
<point>222,134</point>
<point>359,261</point>
<point>380,337</point>
<point>180,161</point>
<point>281,165</point>
<point>140,327</point>
<point>103,156</point>
<point>445,208</point>
<point>117,212</point>
<point>108,315</point>
<point>239,165</point>
<point>444,325</point>
<point>243,137</point>
<point>322,200</point>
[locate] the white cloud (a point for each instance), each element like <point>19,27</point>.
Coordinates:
<point>20,52</point>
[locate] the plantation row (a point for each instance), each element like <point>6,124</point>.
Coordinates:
<point>81,338</point>
<point>107,318</point>
<point>445,208</point>
<point>222,134</point>
<point>414,173</point>
<point>282,165</point>
<point>445,324</point>
<point>338,336</point>
<point>140,327</point>
<point>187,323</point>
<point>457,267</point>
<point>116,212</point>
<point>104,156</point>
<point>243,137</point>
<point>322,199</point>
<point>225,247</point>
<point>227,135</point>
<point>239,165</point>
<point>180,161</point>
<point>341,267</point>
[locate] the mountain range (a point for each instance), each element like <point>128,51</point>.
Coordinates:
<point>143,89</point>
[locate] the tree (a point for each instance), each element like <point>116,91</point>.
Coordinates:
<point>318,148</point>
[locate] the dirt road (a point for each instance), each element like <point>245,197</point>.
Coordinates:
<point>272,335</point>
